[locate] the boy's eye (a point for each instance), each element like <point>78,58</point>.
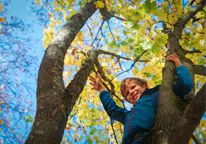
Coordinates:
<point>133,87</point>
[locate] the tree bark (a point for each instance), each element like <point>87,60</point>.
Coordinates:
<point>50,120</point>
<point>200,69</point>
<point>189,120</point>
<point>167,114</point>
<point>76,86</point>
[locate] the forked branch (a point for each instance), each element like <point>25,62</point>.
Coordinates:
<point>200,70</point>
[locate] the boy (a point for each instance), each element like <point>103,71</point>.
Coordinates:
<point>138,121</point>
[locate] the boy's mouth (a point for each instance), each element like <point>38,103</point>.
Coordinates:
<point>135,97</point>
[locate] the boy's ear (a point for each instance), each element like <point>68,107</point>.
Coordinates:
<point>145,85</point>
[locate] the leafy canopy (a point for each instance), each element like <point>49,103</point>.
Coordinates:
<point>136,27</point>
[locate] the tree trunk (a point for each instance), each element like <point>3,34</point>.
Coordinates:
<point>168,115</point>
<point>189,120</point>
<point>50,120</point>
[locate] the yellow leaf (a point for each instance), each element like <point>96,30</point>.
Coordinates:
<point>2,19</point>
<point>69,60</point>
<point>59,22</point>
<point>38,2</point>
<point>95,23</point>
<point>13,131</point>
<point>1,7</point>
<point>21,135</point>
<point>1,122</point>
<point>99,4</point>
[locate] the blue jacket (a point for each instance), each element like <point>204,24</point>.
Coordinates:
<point>142,114</point>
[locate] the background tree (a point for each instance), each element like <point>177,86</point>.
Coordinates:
<point>17,67</point>
<point>119,31</point>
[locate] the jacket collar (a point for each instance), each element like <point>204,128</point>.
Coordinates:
<point>150,91</point>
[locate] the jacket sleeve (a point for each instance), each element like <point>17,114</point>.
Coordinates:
<point>183,84</point>
<point>115,112</point>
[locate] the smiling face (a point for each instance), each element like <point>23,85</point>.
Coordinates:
<point>133,91</point>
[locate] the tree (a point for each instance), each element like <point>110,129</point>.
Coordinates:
<point>17,62</point>
<point>151,31</point>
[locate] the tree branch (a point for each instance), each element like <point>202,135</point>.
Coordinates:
<point>112,122</point>
<point>97,33</point>
<point>187,123</point>
<point>76,86</point>
<point>200,70</point>
<point>131,65</point>
<point>194,138</point>
<point>90,32</point>
<point>190,14</point>
<point>191,3</point>
<point>119,18</point>
<point>112,91</point>
<point>193,51</point>
<point>110,30</point>
<point>106,14</point>
<point>118,56</point>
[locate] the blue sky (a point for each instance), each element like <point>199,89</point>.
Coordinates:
<point>19,9</point>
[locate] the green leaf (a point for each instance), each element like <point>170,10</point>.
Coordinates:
<point>147,74</point>
<point>146,45</point>
<point>129,24</point>
<point>112,44</point>
<point>89,140</point>
<point>201,62</point>
<point>156,48</point>
<point>130,40</point>
<point>149,6</point>
<point>123,43</point>
<point>92,131</point>
<point>29,118</point>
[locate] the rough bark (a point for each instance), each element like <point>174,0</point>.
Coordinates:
<point>167,114</point>
<point>200,70</point>
<point>76,86</point>
<point>191,117</point>
<point>50,120</point>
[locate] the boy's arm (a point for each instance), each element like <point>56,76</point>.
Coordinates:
<point>183,84</point>
<point>114,111</point>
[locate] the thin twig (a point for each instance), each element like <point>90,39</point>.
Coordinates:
<point>191,3</point>
<point>97,33</point>
<point>110,30</point>
<point>90,32</point>
<point>119,18</point>
<point>194,138</point>
<point>112,92</point>
<point>112,121</point>
<point>120,64</point>
<point>131,65</point>
<point>117,56</point>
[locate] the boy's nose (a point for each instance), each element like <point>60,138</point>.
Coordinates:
<point>131,92</point>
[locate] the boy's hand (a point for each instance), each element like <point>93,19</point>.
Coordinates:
<point>96,83</point>
<point>175,59</point>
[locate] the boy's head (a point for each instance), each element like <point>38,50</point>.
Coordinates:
<point>132,88</point>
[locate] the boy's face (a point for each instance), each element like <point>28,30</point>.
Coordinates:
<point>133,91</point>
